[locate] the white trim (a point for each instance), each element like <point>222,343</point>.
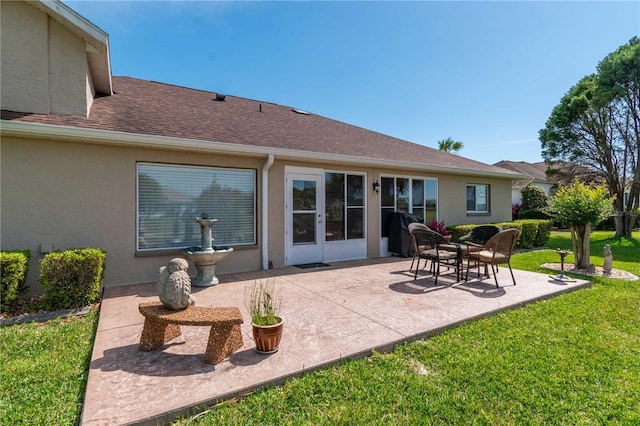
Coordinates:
<point>265,211</point>
<point>109,137</point>
<point>75,22</point>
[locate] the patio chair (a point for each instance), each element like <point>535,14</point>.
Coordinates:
<point>426,244</point>
<point>475,238</point>
<point>480,235</point>
<point>496,251</point>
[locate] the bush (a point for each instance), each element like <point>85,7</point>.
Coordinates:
<point>13,270</point>
<point>533,198</point>
<point>533,214</point>
<point>544,230</point>
<point>72,278</point>
<point>533,232</point>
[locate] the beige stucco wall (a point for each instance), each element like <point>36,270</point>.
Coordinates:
<point>75,195</point>
<point>44,65</point>
<point>68,72</point>
<point>24,67</point>
<point>71,195</point>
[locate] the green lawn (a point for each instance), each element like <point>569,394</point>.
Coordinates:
<point>574,359</point>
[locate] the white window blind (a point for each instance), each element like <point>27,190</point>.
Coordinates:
<point>171,196</point>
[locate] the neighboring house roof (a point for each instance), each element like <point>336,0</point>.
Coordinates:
<point>536,172</point>
<point>146,113</point>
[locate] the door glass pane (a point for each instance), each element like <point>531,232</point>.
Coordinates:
<point>355,190</point>
<point>334,206</point>
<point>387,192</point>
<point>417,194</point>
<point>419,211</point>
<point>402,195</point>
<point>304,230</point>
<point>304,195</point>
<point>385,214</point>
<point>355,223</point>
<point>431,200</point>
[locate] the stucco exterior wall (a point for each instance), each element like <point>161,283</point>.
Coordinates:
<point>74,195</point>
<point>44,65</point>
<point>64,195</point>
<point>68,72</point>
<point>24,62</point>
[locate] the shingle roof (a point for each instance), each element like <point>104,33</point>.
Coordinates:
<point>158,109</point>
<point>536,171</point>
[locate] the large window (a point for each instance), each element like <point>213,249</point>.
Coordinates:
<point>477,198</point>
<point>412,195</point>
<point>171,196</point>
<point>344,206</point>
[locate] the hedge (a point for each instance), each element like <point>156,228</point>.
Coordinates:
<point>533,232</point>
<point>13,270</point>
<point>72,278</point>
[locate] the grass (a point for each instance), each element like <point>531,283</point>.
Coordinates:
<point>573,359</point>
<point>43,371</point>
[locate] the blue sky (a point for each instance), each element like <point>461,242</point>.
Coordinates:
<point>487,74</point>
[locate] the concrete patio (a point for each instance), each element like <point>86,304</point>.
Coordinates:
<point>331,313</point>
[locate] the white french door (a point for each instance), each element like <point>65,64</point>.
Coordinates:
<point>304,217</point>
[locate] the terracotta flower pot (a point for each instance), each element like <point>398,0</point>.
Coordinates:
<point>267,337</point>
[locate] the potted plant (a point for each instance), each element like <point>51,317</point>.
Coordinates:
<point>263,300</point>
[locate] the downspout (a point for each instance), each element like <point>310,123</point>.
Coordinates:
<point>265,211</point>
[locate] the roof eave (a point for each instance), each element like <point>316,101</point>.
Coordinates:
<point>109,137</point>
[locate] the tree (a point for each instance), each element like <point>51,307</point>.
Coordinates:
<point>581,207</point>
<point>597,125</point>
<point>449,145</point>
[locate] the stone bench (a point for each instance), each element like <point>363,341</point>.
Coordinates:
<point>162,324</point>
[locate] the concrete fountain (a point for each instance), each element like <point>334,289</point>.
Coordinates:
<point>206,257</point>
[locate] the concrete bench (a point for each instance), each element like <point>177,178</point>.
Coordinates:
<point>162,324</point>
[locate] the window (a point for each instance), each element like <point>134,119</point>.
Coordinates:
<point>477,198</point>
<point>344,206</point>
<point>418,196</point>
<point>171,196</point>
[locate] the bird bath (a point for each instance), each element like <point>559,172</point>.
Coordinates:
<point>206,257</point>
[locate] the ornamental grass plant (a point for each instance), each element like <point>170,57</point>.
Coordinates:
<point>263,301</point>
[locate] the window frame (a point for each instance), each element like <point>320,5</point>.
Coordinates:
<point>168,249</point>
<point>346,206</point>
<point>411,205</point>
<point>488,198</point>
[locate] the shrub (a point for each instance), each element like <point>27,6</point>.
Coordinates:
<point>533,214</point>
<point>533,232</point>
<point>13,270</point>
<point>544,230</point>
<point>533,198</point>
<point>72,278</point>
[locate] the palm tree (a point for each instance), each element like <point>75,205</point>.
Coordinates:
<point>449,145</point>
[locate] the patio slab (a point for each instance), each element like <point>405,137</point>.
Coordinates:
<point>331,313</point>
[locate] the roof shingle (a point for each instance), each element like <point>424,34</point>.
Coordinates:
<point>158,109</point>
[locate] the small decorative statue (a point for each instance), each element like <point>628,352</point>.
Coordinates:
<point>174,285</point>
<point>608,260</point>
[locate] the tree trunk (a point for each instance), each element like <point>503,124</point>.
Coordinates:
<point>624,221</point>
<point>580,239</point>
